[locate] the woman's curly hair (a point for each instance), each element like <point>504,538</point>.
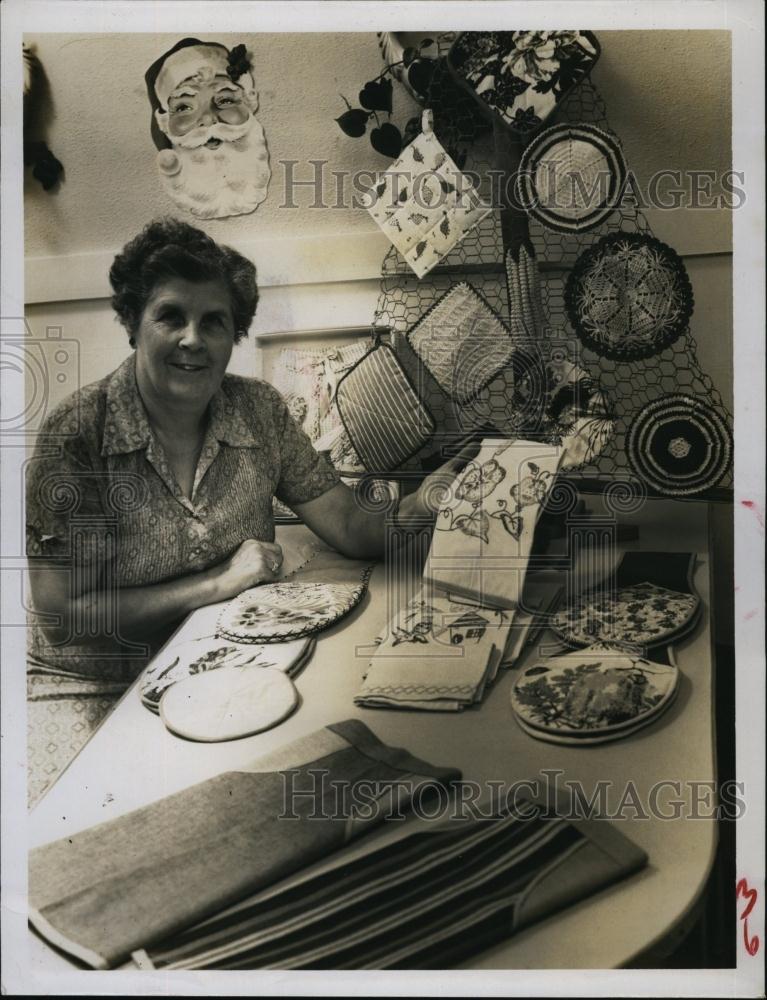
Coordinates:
<point>169,248</point>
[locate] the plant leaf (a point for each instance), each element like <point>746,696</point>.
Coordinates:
<point>377,96</point>
<point>387,140</point>
<point>354,122</point>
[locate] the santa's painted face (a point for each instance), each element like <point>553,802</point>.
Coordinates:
<point>203,102</point>
<point>219,164</point>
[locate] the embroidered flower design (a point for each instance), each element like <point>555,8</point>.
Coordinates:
<point>535,56</point>
<point>533,488</point>
<point>480,481</point>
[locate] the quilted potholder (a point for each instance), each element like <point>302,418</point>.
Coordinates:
<point>383,415</point>
<point>275,612</point>
<point>423,203</point>
<point>522,76</point>
<point>462,342</point>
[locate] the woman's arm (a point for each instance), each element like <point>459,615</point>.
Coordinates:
<point>338,518</point>
<point>86,617</point>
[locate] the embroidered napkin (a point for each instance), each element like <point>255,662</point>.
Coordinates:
<point>133,881</point>
<point>484,531</point>
<point>423,203</point>
<point>462,342</point>
<point>438,654</point>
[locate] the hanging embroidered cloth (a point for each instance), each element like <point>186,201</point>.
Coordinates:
<point>484,531</point>
<point>572,177</point>
<point>521,76</point>
<point>679,445</point>
<point>424,204</point>
<point>629,297</point>
<point>591,695</point>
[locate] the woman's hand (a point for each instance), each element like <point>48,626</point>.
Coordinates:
<point>425,503</point>
<point>252,563</point>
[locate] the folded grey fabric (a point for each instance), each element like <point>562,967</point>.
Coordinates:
<point>429,900</point>
<point>131,882</point>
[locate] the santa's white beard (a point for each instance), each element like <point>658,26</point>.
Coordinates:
<point>213,183</point>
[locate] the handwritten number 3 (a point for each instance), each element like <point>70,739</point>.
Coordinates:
<point>742,889</point>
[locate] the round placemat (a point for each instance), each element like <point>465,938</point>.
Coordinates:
<point>592,693</point>
<point>228,703</point>
<point>198,656</point>
<point>679,445</point>
<point>628,296</point>
<point>278,611</point>
<point>572,177</point>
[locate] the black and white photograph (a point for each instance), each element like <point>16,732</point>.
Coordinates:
<point>383,498</point>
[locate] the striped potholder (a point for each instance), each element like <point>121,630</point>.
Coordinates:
<point>462,342</point>
<point>383,415</point>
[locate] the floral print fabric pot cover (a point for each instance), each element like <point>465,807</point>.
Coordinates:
<point>423,204</point>
<point>592,692</point>
<point>198,656</point>
<point>642,615</point>
<point>522,76</point>
<point>278,611</point>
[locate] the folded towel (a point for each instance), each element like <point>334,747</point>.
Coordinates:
<point>132,881</point>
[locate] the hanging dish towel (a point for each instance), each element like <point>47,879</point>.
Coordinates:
<point>484,531</point>
<point>133,881</point>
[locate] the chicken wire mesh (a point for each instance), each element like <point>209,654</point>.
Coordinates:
<point>629,385</point>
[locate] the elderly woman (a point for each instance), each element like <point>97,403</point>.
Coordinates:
<point>150,493</point>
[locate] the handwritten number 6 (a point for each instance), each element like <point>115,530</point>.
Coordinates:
<point>742,889</point>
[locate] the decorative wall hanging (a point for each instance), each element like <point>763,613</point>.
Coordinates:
<point>462,342</point>
<point>629,297</point>
<point>626,385</point>
<point>276,612</point>
<point>211,168</point>
<point>572,177</point>
<point>38,111</point>
<point>521,76</point>
<point>679,446</point>
<point>649,602</point>
<point>381,411</point>
<point>197,656</point>
<point>597,693</point>
<point>424,204</point>
<point>484,531</point>
<point>227,704</point>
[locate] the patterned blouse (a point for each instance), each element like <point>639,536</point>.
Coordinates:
<point>103,502</point>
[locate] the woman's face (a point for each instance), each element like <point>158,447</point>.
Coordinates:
<point>184,342</point>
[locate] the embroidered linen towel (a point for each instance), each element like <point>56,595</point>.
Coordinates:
<point>423,203</point>
<point>462,342</point>
<point>386,420</point>
<point>131,882</point>
<point>429,901</point>
<point>484,532</point>
<point>438,654</point>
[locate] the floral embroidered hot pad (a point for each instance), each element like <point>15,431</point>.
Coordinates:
<point>522,75</point>
<point>198,656</point>
<point>641,615</point>
<point>592,692</point>
<point>278,611</point>
<point>424,204</point>
<point>484,531</point>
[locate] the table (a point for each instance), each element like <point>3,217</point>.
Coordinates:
<point>132,760</point>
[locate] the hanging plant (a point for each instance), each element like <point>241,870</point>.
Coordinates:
<point>376,96</point>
